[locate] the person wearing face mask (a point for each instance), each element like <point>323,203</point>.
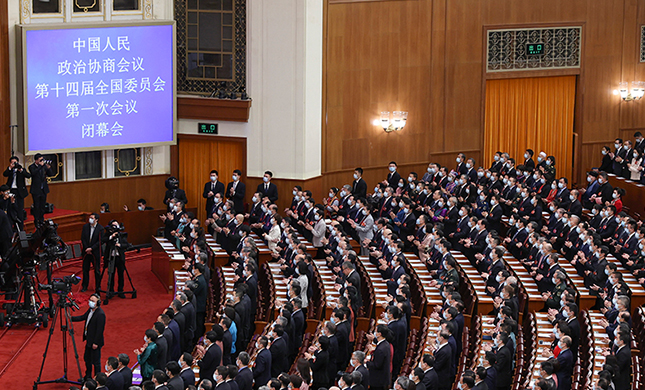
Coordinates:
<point>209,356</point>
<point>142,205</point>
<point>262,363</point>
<point>317,229</point>
<point>94,326</point>
<point>258,210</point>
<point>91,239</point>
<point>359,186</point>
<point>212,187</point>
<point>635,166</point>
<point>114,256</point>
<point>496,165</point>
<point>471,171</point>
<point>172,218</point>
<point>267,188</point>
<point>528,159</point>
<point>461,164</point>
<point>393,176</point>
<point>235,191</point>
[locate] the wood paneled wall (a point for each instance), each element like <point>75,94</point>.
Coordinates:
<point>87,195</point>
<point>198,155</point>
<point>427,57</point>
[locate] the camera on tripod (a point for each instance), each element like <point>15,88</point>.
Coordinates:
<point>110,228</point>
<point>62,285</point>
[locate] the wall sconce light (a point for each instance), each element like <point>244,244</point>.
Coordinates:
<point>636,93</point>
<point>394,123</point>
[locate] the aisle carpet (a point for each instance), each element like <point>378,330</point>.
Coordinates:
<point>127,320</point>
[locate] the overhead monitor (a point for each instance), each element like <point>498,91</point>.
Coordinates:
<point>98,86</point>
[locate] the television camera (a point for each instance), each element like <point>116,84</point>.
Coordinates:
<point>19,282</point>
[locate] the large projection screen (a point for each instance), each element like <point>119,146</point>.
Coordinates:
<point>97,86</point>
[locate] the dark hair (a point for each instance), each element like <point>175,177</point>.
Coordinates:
<point>101,378</point>
<point>91,384</point>
<point>238,172</point>
<point>151,334</point>
<point>142,201</point>
<point>37,156</point>
<point>173,367</point>
<point>359,170</point>
<point>188,358</point>
<point>266,173</point>
<point>113,362</point>
<point>296,381</point>
<point>160,376</point>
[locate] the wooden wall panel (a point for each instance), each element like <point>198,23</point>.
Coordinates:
<point>5,120</point>
<point>198,155</point>
<point>428,57</point>
<point>87,195</point>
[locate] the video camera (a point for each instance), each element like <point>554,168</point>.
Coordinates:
<point>172,183</point>
<point>110,229</point>
<point>17,166</point>
<point>61,285</point>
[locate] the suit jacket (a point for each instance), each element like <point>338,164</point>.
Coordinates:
<point>430,379</point>
<point>480,386</point>
<point>188,376</point>
<point>208,187</point>
<point>210,361</point>
<point>114,381</point>
<point>189,331</point>
<point>126,373</point>
<point>393,179</point>
<point>344,348</point>
<point>366,376</point>
<point>271,192</point>
<point>176,383</point>
<point>565,358</point>
<point>162,352</point>
<point>279,352</point>
<point>222,386</point>
<point>20,180</point>
<point>359,188</point>
<point>39,175</point>
<point>443,365</point>
<point>200,294</point>
<point>244,379</point>
<point>380,365</point>
<point>238,198</point>
<point>93,242</point>
<point>262,369</point>
<point>299,325</point>
<point>93,331</point>
<point>319,368</point>
<point>504,366</point>
<point>622,379</point>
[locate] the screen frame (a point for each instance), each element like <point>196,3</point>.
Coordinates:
<point>22,80</point>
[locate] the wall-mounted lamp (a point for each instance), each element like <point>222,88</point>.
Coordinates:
<point>394,123</point>
<point>636,93</point>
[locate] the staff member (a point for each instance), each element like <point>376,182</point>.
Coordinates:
<point>16,176</point>
<point>115,246</point>
<point>39,171</point>
<point>91,237</point>
<point>94,319</point>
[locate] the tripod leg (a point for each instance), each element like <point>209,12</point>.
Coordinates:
<point>49,339</point>
<point>70,330</point>
<point>134,290</point>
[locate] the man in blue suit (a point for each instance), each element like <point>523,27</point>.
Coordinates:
<point>262,367</point>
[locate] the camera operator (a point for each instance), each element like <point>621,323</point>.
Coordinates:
<point>8,205</point>
<point>39,170</point>
<point>115,248</point>
<point>94,319</point>
<point>16,176</point>
<point>174,192</point>
<point>91,238</point>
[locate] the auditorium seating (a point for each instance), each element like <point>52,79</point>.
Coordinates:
<point>483,303</point>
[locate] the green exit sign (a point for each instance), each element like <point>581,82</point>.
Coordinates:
<point>534,49</point>
<point>207,128</point>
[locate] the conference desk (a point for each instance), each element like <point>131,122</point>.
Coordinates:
<point>634,193</point>
<point>166,259</point>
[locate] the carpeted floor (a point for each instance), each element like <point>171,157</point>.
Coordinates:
<point>127,320</point>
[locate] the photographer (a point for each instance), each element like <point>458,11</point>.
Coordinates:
<point>16,176</point>
<point>91,238</point>
<point>8,205</point>
<point>114,259</point>
<point>39,170</point>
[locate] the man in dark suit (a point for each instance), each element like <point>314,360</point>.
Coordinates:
<point>220,376</point>
<point>575,207</point>
<point>380,366</point>
<point>393,177</point>
<point>91,239</point>
<point>565,358</point>
<point>188,311</point>
<point>235,191</point>
<point>343,328</point>
<point>267,188</point>
<point>124,370</point>
<point>114,257</point>
<point>187,374</point>
<point>227,340</point>
<point>359,187</point>
<point>430,380</point>
<point>399,340</point>
<point>443,364</point>
<point>279,353</point>
<point>114,377</point>
<point>504,362</point>
<point>244,377</point>
<point>480,377</point>
<point>298,323</point>
<point>210,189</point>
<point>201,293</point>
<point>357,381</point>
<point>16,176</point>
<point>39,171</point>
<point>262,366</point>
<point>211,356</point>
<point>358,362</point>
<point>624,357</point>
<point>159,377</point>
<point>175,382</point>
<point>163,349</point>
<point>94,319</point>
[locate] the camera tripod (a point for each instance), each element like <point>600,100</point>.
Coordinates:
<point>110,267</point>
<point>28,308</point>
<point>62,309</point>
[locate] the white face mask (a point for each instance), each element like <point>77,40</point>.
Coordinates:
<point>141,208</point>
<point>92,220</point>
<point>392,169</point>
<point>213,178</point>
<point>92,304</point>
